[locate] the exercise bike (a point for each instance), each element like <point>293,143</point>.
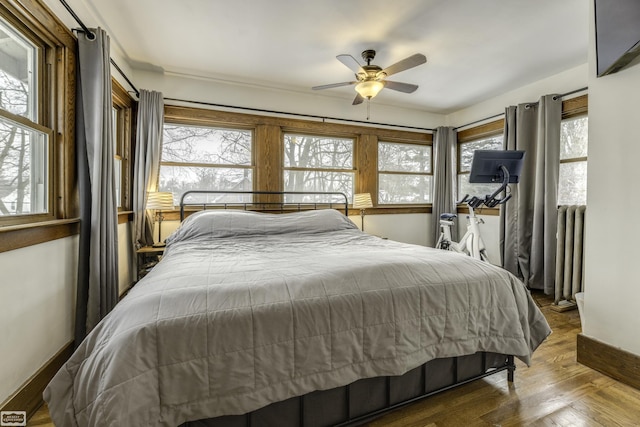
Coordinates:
<point>471,243</point>
<point>489,166</point>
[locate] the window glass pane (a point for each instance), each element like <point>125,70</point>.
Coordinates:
<point>467,149</point>
<point>572,188</point>
<point>478,190</point>
<point>394,157</point>
<point>114,130</point>
<point>318,181</point>
<point>23,169</point>
<point>190,144</point>
<point>178,179</point>
<point>574,135</point>
<point>17,73</point>
<point>317,152</point>
<point>117,177</point>
<point>404,188</point>
<point>196,146</point>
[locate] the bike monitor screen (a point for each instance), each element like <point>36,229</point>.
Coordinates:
<point>486,166</point>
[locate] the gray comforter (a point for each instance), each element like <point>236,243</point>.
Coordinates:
<point>246,309</point>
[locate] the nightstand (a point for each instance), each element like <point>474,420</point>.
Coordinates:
<point>148,257</point>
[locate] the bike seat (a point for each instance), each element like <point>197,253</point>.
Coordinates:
<point>448,216</point>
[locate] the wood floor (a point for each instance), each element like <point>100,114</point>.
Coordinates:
<point>554,391</point>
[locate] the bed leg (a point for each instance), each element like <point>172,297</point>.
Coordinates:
<point>511,369</point>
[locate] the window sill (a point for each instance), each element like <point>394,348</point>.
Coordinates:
<point>24,235</point>
<point>393,209</point>
<point>125,216</point>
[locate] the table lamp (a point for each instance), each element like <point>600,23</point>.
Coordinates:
<point>159,200</point>
<point>362,201</point>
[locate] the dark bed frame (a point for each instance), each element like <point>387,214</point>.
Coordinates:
<point>362,400</point>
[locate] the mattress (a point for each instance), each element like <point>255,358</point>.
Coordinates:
<point>246,309</point>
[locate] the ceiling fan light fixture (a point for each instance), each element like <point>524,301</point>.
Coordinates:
<point>370,88</point>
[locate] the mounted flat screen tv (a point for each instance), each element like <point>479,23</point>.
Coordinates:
<point>617,34</point>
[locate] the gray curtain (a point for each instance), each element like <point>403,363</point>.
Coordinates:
<point>147,162</point>
<point>98,257</point>
<point>444,177</point>
<point>529,220</point>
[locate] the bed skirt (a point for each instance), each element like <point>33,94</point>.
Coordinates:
<point>368,398</point>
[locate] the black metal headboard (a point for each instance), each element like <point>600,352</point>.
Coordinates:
<point>267,202</point>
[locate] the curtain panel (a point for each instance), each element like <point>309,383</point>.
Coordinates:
<point>97,291</point>
<point>529,221</point>
<point>147,162</point>
<point>444,178</point>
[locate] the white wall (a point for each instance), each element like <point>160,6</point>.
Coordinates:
<point>126,257</point>
<point>567,81</point>
<point>38,296</point>
<point>316,103</point>
<point>612,283</point>
<point>38,303</point>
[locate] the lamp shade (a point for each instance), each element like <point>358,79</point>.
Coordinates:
<point>362,201</point>
<point>160,200</point>
<point>369,88</point>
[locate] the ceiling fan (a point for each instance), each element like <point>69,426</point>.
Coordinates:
<point>370,79</point>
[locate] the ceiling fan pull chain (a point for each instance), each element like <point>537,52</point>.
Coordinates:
<point>368,107</point>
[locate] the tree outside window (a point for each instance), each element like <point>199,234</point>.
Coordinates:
<point>572,182</point>
<point>206,158</point>
<point>317,164</point>
<point>24,143</point>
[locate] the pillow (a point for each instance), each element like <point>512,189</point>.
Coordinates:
<point>230,223</point>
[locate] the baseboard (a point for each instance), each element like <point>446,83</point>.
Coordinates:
<point>611,361</point>
<point>29,397</point>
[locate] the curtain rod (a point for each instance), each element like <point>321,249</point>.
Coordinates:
<point>91,35</point>
<point>562,95</point>
<point>313,116</point>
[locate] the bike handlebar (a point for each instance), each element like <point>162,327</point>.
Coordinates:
<point>490,200</point>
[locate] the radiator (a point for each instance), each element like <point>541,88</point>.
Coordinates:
<point>569,253</point>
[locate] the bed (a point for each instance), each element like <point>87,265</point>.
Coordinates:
<point>292,319</point>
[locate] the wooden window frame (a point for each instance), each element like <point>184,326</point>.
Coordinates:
<point>268,147</point>
<point>572,109</point>
<point>56,112</point>
<point>125,112</point>
<point>216,125</point>
<point>378,171</point>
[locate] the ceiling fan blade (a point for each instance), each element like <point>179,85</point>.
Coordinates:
<point>405,64</point>
<point>329,86</point>
<point>358,100</point>
<point>351,63</point>
<point>401,87</point>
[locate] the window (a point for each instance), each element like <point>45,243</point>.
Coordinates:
<point>117,161</point>
<point>318,163</point>
<point>465,157</point>
<point>121,114</point>
<point>572,183</point>
<point>404,173</point>
<point>24,142</point>
<point>205,158</point>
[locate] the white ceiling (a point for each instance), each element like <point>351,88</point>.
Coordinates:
<point>475,49</point>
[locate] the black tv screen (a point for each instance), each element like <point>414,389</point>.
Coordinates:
<point>617,34</point>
